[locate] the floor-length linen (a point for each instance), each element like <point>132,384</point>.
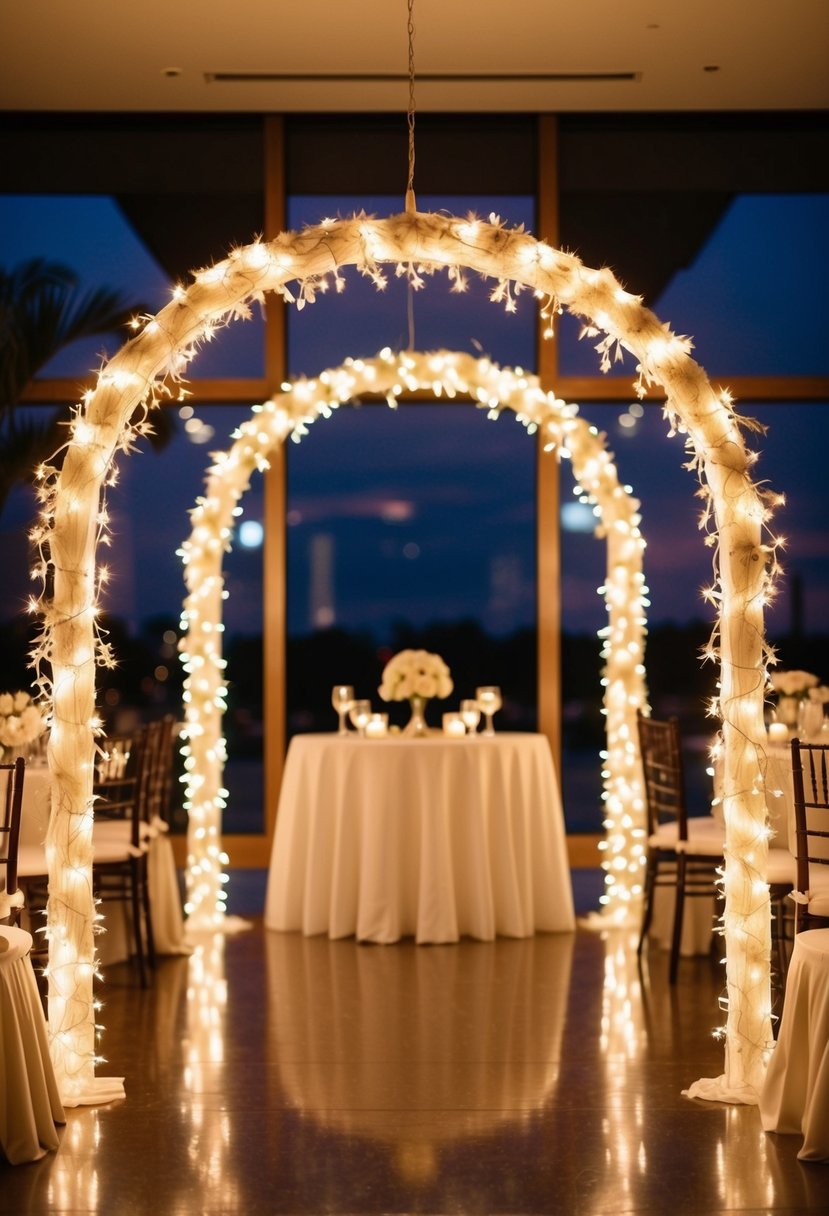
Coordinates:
<point>434,838</point>
<point>795,1095</point>
<point>30,1104</point>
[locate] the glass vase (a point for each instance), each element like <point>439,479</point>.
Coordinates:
<point>809,718</point>
<point>416,727</point>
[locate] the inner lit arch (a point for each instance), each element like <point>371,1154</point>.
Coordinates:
<point>289,413</point>
<point>146,369</point>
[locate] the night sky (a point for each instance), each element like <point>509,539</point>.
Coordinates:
<point>463,542</point>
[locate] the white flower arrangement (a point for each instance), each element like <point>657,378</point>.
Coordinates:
<point>415,673</point>
<point>793,683</point>
<point>21,720</point>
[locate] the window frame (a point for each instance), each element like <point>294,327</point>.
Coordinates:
<point>253,850</point>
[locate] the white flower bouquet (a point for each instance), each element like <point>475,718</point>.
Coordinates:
<point>793,683</point>
<point>415,673</point>
<point>21,720</point>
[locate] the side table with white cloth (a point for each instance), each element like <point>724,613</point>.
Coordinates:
<point>30,1104</point>
<point>437,838</point>
<point>795,1095</point>
<point>165,900</point>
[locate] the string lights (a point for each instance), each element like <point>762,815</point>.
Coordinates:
<point>443,374</point>
<point>297,266</point>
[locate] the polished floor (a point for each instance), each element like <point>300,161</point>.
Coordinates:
<point>269,1073</point>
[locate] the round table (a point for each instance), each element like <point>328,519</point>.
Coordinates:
<point>30,1104</point>
<point>435,838</point>
<point>795,1095</point>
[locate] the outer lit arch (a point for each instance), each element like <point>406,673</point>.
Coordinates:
<point>310,260</point>
<point>441,374</point>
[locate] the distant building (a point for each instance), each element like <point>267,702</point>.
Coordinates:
<point>321,581</point>
<point>506,592</point>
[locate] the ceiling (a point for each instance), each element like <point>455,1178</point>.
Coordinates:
<point>470,55</point>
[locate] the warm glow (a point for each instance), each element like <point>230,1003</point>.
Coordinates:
<point>291,412</point>
<point>297,265</point>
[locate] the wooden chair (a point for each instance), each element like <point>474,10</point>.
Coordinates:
<point>683,852</point>
<point>810,786</point>
<point>121,836</point>
<point>159,771</point>
<point>11,801</point>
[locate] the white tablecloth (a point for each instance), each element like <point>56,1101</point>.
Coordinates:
<point>436,838</point>
<point>29,1100</point>
<point>699,920</point>
<point>795,1096</point>
<point>780,796</point>
<point>165,900</point>
<point>34,816</point>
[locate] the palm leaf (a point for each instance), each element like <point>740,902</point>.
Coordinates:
<point>41,312</point>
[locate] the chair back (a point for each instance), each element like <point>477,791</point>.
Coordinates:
<point>157,791</point>
<point>810,786</point>
<point>120,777</point>
<point>11,801</point>
<point>660,747</point>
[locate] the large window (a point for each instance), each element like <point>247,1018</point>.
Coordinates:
<point>154,214</point>
<point>725,255</point>
<point>412,527</point>
<point>718,221</point>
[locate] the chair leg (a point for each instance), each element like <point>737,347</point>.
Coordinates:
<point>137,910</point>
<point>679,911</point>
<point>647,910</point>
<point>148,920</point>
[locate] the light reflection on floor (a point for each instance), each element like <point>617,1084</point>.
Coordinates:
<point>274,1073</point>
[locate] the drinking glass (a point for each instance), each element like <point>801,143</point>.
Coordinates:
<point>809,717</point>
<point>471,715</point>
<point>342,696</point>
<point>359,712</point>
<point>489,702</point>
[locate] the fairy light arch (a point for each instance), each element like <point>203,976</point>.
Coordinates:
<point>290,413</point>
<point>298,265</point>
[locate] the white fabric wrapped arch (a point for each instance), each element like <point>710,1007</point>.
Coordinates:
<point>297,265</point>
<point>443,374</point>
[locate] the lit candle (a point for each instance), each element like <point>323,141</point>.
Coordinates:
<point>377,726</point>
<point>778,733</point>
<point>453,726</point>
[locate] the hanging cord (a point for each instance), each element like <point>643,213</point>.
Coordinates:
<point>410,315</point>
<point>411,206</point>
